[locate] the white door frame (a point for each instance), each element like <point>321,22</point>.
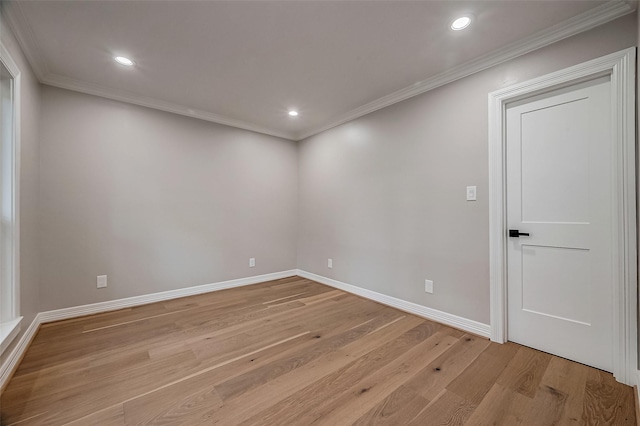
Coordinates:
<point>621,67</point>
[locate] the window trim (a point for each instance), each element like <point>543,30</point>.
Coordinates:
<point>10,329</point>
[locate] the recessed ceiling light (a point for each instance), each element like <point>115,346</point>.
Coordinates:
<point>293,113</point>
<point>123,61</point>
<point>461,23</point>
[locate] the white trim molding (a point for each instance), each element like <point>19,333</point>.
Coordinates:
<point>587,20</point>
<point>112,305</point>
<point>11,362</point>
<point>8,331</point>
<point>25,35</point>
<point>23,32</point>
<point>636,392</point>
<point>621,68</point>
<point>583,22</point>
<point>15,356</point>
<point>11,214</point>
<point>145,101</point>
<point>455,321</point>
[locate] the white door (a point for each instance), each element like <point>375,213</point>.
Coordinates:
<point>559,183</point>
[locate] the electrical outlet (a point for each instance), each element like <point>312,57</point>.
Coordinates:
<point>252,262</point>
<point>428,286</point>
<point>329,263</point>
<point>471,193</point>
<point>102,281</point>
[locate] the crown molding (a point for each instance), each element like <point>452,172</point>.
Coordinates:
<point>572,26</point>
<point>119,95</point>
<point>590,19</point>
<point>23,32</point>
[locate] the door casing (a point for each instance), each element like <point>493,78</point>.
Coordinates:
<point>620,66</point>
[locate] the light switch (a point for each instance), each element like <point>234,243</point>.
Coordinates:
<point>471,193</point>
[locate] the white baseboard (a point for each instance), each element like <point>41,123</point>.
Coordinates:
<point>455,321</point>
<point>112,305</point>
<point>11,362</point>
<point>636,389</point>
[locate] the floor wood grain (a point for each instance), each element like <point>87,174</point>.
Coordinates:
<point>295,352</point>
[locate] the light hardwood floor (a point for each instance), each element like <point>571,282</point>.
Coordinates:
<point>293,351</point>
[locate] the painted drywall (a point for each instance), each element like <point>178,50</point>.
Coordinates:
<point>29,159</point>
<point>384,195</point>
<point>156,201</point>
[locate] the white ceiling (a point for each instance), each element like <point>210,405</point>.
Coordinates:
<point>247,63</point>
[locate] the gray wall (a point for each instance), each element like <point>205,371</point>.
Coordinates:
<point>384,195</point>
<point>156,201</point>
<point>30,113</point>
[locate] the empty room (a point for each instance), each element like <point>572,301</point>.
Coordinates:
<point>319,212</point>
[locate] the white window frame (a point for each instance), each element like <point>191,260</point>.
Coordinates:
<point>9,329</point>
<point>621,67</point>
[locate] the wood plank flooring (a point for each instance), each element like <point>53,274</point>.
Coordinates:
<point>295,352</point>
